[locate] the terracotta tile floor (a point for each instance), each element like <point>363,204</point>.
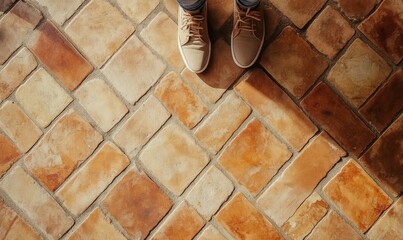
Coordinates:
<point>105,135</point>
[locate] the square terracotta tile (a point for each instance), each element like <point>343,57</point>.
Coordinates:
<point>9,154</point>
<point>241,219</point>
<point>161,34</point>
<point>17,125</point>
<point>151,204</point>
<point>15,71</point>
<point>276,108</point>
<point>42,98</point>
<point>211,233</point>
<point>133,59</point>
<point>384,28</point>
<point>254,157</point>
<point>99,29</point>
<point>357,195</point>
<point>358,73</point>
<point>329,32</point>
<point>137,10</point>
<point>101,103</point>
<point>292,62</point>
<point>63,148</point>
<point>356,9</point>
<point>60,11</point>
<point>180,99</point>
<point>174,158</point>
<point>219,12</point>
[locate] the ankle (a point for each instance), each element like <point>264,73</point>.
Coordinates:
<point>193,12</point>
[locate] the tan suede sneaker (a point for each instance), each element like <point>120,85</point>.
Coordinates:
<point>193,39</point>
<point>247,35</point>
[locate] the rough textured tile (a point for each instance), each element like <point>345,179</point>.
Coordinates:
<point>12,75</point>
<point>385,29</point>
<point>70,141</point>
<point>183,223</point>
<point>161,35</point>
<point>181,100</point>
<point>15,26</point>
<point>292,62</point>
<point>8,217</point>
<point>42,98</point>
<point>285,195</point>
<point>387,102</point>
<point>390,226</point>
<point>92,179</point>
<point>330,111</point>
<point>40,207</point>
<point>137,10</point>
<point>174,158</point>
<point>141,126</point>
<point>254,157</point>
<point>356,9</point>
<point>357,195</point>
<point>96,226</point>
<point>222,123</point>
<point>9,154</point>
<point>299,11</point>
<point>151,204</point>
<point>220,74</point>
<point>358,72</point>
<point>276,108</point>
<point>18,126</point>
<point>59,55</point>
<point>60,10</point>
<point>171,6</point>
<point>101,103</point>
<point>330,32</point>
<point>333,227</point>
<point>5,5</point>
<point>219,12</point>
<point>243,221</point>
<point>210,192</point>
<point>272,21</point>
<point>306,217</point>
<point>211,233</point>
<point>384,158</point>
<point>99,30</point>
<point>133,59</point>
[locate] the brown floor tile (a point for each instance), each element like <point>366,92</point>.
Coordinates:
<point>40,207</point>
<point>276,108</point>
<point>174,158</point>
<point>151,204</point>
<point>356,9</point>
<point>183,223</point>
<point>384,158</point>
<point>254,157</point>
<point>358,73</point>
<point>70,141</point>
<point>181,100</point>
<point>329,110</point>
<point>387,102</point>
<point>330,32</point>
<point>272,21</point>
<point>219,12</point>
<point>5,5</point>
<point>60,11</point>
<point>59,56</point>
<point>296,183</point>
<point>211,233</point>
<point>357,195</point>
<point>241,219</point>
<point>385,29</point>
<point>292,62</point>
<point>9,154</point>
<point>137,10</point>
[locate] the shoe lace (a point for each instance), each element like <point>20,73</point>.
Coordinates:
<point>245,20</point>
<point>194,26</point>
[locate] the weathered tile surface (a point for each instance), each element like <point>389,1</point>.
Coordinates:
<point>101,103</point>
<point>16,124</point>
<point>137,10</point>
<point>40,207</point>
<point>254,157</point>
<point>9,154</point>
<point>357,195</point>
<point>133,59</point>
<point>181,100</point>
<point>84,186</point>
<point>174,158</point>
<point>241,219</point>
<point>151,204</point>
<point>211,233</point>
<point>292,62</point>
<point>60,11</point>
<point>358,72</point>
<point>296,183</point>
<point>99,30</point>
<point>219,12</point>
<point>70,141</point>
<point>356,9</point>
<point>276,108</point>
<point>385,29</point>
<point>335,117</point>
<point>5,5</point>
<point>171,6</point>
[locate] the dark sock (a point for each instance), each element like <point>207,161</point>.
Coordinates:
<point>245,7</point>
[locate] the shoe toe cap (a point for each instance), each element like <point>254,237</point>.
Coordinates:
<point>196,60</point>
<point>245,53</point>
